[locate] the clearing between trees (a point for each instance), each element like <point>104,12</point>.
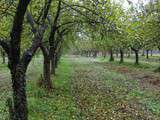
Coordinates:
<point>90,89</point>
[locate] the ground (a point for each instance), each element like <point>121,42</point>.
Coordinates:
<point>90,89</point>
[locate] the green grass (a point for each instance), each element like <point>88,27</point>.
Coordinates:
<point>104,93</point>
<point>148,98</point>
<point>130,63</point>
<point>59,104</point>
<point>128,90</point>
<point>55,105</point>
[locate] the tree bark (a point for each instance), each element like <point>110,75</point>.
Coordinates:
<point>53,68</point>
<point>121,56</point>
<point>136,51</point>
<point>111,56</point>
<point>58,55</point>
<point>16,67</point>
<point>137,57</point>
<point>56,59</point>
<point>19,93</point>
<point>147,54</point>
<point>52,38</point>
<point>46,81</point>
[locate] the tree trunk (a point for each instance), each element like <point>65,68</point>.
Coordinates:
<point>17,68</point>
<point>111,56</point>
<point>58,55</point>
<point>137,57</point>
<point>19,93</point>
<point>56,60</point>
<point>47,83</point>
<point>129,53</point>
<point>147,54</point>
<point>3,58</point>
<point>121,56</point>
<point>95,54</point>
<point>46,80</point>
<point>53,68</point>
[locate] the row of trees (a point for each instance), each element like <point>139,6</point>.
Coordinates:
<point>135,29</point>
<point>50,26</point>
<point>44,25</point>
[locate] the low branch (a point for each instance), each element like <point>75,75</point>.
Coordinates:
<point>29,53</point>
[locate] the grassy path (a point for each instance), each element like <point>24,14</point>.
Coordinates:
<point>87,89</point>
<point>104,94</point>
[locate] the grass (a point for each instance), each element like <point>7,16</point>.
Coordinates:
<point>129,91</point>
<point>130,63</point>
<point>55,105</point>
<point>150,99</point>
<point>86,89</point>
<point>124,99</point>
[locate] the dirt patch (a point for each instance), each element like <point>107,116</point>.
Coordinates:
<point>123,70</point>
<point>147,79</point>
<point>152,80</point>
<point>156,82</point>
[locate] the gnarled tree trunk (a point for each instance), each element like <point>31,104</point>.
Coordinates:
<point>19,93</point>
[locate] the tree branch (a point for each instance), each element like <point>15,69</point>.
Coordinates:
<point>16,32</point>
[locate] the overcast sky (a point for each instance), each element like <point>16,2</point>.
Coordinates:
<point>126,5</point>
<point>136,1</point>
